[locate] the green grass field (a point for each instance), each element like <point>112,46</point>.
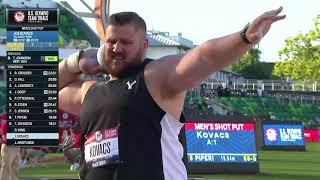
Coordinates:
<point>278,165</point>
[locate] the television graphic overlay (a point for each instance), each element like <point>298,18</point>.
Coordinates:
<point>283,135</point>
<point>32,76</point>
<point>220,147</point>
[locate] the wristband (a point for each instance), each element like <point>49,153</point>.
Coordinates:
<point>243,35</point>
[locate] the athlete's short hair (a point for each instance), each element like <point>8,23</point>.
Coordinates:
<point>125,18</point>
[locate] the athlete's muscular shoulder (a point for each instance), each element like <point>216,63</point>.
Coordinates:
<point>71,96</point>
<point>156,80</point>
<point>85,87</point>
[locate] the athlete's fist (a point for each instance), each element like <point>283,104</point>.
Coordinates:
<point>88,62</point>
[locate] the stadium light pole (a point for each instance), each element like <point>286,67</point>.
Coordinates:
<point>102,12</point>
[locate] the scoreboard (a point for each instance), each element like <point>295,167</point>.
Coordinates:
<point>32,77</point>
<point>221,147</point>
<point>283,135</point>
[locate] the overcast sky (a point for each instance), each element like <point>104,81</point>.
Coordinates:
<point>204,19</point>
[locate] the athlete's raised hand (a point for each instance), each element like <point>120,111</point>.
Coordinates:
<point>261,25</point>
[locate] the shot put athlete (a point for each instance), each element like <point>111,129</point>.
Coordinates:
<point>131,122</point>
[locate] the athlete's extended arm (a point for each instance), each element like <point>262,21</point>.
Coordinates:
<point>71,87</point>
<point>187,71</point>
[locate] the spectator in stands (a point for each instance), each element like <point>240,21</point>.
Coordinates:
<point>268,117</point>
<point>219,90</point>
<point>282,82</point>
<point>71,146</point>
<point>313,124</point>
<point>203,89</point>
<point>10,157</point>
<point>259,92</point>
<point>243,90</point>
<point>229,82</point>
<point>273,117</point>
<point>210,107</point>
<point>289,82</point>
<point>317,119</point>
<point>262,118</point>
<point>227,91</point>
<point>255,117</point>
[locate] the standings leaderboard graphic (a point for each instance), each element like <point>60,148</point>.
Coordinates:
<point>221,146</point>
<point>32,77</point>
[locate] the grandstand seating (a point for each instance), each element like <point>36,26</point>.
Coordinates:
<point>196,109</point>
<point>266,106</point>
<point>250,108</point>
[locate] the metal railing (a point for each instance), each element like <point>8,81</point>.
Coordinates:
<point>297,98</point>
<point>295,92</point>
<point>272,85</point>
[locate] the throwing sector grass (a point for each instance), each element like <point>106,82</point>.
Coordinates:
<point>280,165</point>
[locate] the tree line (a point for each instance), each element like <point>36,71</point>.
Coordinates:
<point>299,59</point>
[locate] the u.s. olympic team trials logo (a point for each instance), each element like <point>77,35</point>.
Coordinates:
<point>271,134</point>
<point>19,16</point>
<point>98,136</point>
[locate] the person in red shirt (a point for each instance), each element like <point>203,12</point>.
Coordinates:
<point>10,157</point>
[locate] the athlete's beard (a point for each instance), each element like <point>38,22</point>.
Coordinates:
<point>130,67</point>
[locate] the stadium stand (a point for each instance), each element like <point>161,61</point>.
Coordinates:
<point>198,108</point>
<point>266,106</point>
<point>251,107</point>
